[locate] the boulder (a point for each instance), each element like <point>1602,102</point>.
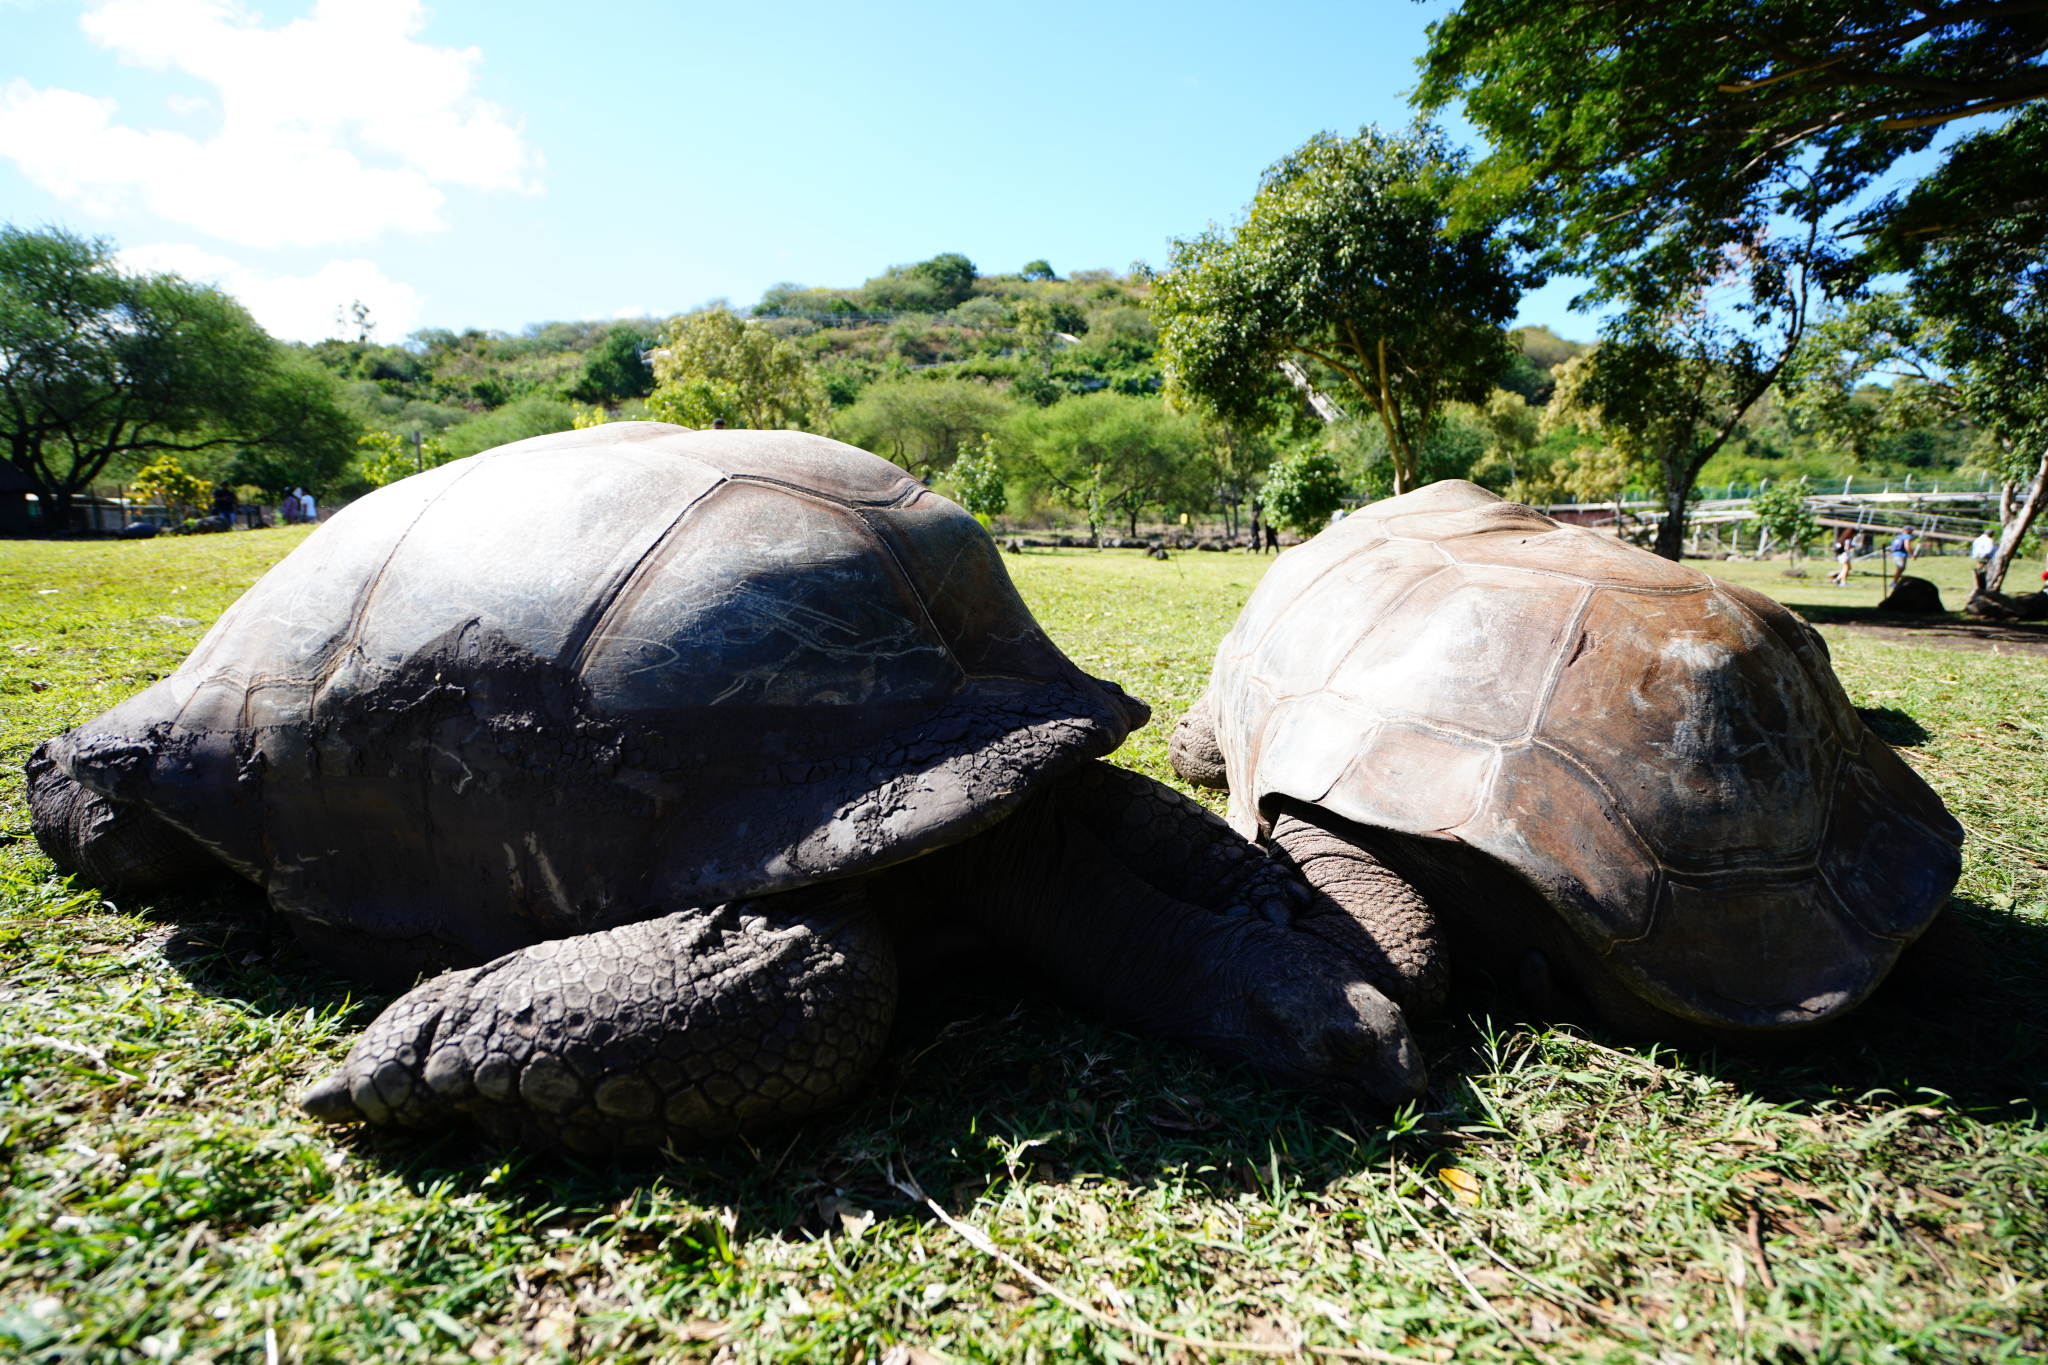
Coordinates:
<point>1914,595</point>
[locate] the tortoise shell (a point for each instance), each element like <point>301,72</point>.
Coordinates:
<point>1667,759</point>
<point>595,676</point>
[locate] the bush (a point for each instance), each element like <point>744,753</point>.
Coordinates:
<point>531,416</point>
<point>1781,510</point>
<point>1302,490</point>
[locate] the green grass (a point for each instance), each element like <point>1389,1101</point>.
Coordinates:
<point>1877,1195</point>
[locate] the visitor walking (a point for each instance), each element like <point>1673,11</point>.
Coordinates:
<point>1845,555</point>
<point>1901,550</point>
<point>224,504</point>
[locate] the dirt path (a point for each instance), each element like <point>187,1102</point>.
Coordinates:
<point>1950,632</point>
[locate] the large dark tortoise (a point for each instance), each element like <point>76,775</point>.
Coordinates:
<point>1636,790</point>
<point>673,752</point>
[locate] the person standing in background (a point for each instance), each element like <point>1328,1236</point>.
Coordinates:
<point>1981,550</point>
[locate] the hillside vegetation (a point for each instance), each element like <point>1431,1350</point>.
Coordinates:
<point>1036,399</point>
<point>925,361</point>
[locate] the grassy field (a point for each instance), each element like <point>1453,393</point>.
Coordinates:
<point>1876,1196</point>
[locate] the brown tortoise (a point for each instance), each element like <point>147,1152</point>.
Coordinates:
<point>674,752</point>
<point>1636,790</point>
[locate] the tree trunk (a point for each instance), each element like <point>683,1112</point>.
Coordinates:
<point>2015,528</point>
<point>1402,457</point>
<point>1670,542</point>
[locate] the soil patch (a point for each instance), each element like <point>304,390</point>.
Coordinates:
<point>1953,632</point>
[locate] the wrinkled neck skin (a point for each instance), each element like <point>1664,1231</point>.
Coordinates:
<point>1151,913</point>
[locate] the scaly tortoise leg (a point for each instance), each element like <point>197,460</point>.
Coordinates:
<point>1193,750</point>
<point>678,1030</point>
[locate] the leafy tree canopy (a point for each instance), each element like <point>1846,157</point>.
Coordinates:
<point>98,365</point>
<point>1303,489</point>
<point>1781,510</point>
<point>922,424</point>
<point>763,378</point>
<point>978,478</point>
<point>1344,261</point>
<point>1109,455</point>
<point>1686,123</point>
<point>615,368</point>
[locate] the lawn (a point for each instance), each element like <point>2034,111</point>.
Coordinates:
<point>1875,1196</point>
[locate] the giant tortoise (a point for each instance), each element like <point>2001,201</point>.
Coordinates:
<point>1637,791</point>
<point>656,751</point>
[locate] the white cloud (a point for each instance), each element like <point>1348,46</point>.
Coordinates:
<point>333,127</point>
<point>293,307</point>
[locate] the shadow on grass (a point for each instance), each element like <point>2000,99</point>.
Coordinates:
<point>1948,628</point>
<point>993,1081</point>
<point>1893,726</point>
<point>227,942</point>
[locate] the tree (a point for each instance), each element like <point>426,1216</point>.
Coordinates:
<point>1678,122</point>
<point>181,492</point>
<point>1039,270</point>
<point>1236,458</point>
<point>1345,264</point>
<point>1705,158</point>
<point>713,361</point>
<point>1110,455</point>
<point>950,273</point>
<point>1512,430</point>
<point>1970,340</point>
<point>616,369</point>
<point>98,365</point>
<point>930,286</point>
<point>1600,472</point>
<point>978,476</point>
<point>388,456</point>
<point>922,424</point>
<point>1667,388</point>
<point>1302,490</point>
<point>1781,510</point>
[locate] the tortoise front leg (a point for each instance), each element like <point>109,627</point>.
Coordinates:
<point>1193,749</point>
<point>676,1030</point>
<point>118,846</point>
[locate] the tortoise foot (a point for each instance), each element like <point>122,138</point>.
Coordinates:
<point>671,1032</point>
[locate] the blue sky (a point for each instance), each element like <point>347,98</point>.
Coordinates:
<point>494,165</point>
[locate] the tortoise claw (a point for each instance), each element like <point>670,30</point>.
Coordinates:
<point>328,1100</point>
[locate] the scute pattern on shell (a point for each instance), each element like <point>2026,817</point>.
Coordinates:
<point>588,678</point>
<point>1668,759</point>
